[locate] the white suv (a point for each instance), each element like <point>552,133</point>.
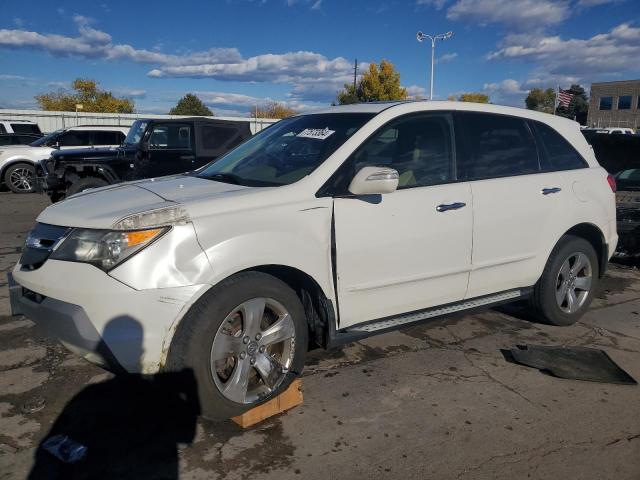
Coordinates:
<point>17,162</point>
<point>322,229</point>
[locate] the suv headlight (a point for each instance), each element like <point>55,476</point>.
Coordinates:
<point>105,248</point>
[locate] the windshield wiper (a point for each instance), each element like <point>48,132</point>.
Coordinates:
<point>225,178</point>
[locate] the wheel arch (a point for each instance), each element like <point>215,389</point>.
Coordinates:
<point>12,162</point>
<point>72,172</point>
<point>594,235</point>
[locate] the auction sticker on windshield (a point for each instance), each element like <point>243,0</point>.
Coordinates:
<point>317,133</point>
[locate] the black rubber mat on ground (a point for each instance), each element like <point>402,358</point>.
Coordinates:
<point>577,363</point>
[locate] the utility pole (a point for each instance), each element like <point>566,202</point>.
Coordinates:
<point>355,75</point>
<point>443,36</point>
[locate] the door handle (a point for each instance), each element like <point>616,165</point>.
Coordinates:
<point>547,191</point>
<point>450,206</point>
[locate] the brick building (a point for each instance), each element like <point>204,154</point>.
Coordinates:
<point>615,104</point>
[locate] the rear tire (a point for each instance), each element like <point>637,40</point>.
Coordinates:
<point>85,184</point>
<point>20,178</point>
<point>567,285</point>
<point>218,341</point>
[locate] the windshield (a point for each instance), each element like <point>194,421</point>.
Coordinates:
<point>136,132</point>
<point>287,151</point>
<point>47,139</point>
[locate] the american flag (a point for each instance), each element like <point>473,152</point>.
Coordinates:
<point>564,98</point>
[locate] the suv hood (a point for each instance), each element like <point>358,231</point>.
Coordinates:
<point>102,207</point>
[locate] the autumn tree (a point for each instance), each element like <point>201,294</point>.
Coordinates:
<point>377,84</point>
<point>273,109</point>
<point>541,100</point>
<point>190,104</point>
<point>474,97</point>
<point>86,93</point>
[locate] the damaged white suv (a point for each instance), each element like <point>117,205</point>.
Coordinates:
<point>324,228</point>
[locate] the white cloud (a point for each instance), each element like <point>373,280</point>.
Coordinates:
<point>437,4</point>
<point>521,14</point>
<point>8,78</point>
<point>130,92</point>
<point>595,3</point>
<point>506,92</point>
<point>612,53</point>
<point>313,76</point>
<point>447,57</point>
<point>416,92</point>
<point>316,5</point>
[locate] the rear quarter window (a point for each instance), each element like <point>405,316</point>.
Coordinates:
<point>25,128</point>
<point>558,152</point>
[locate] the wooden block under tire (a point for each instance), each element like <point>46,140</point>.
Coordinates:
<point>291,397</point>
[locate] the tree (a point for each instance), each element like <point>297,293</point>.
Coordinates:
<point>541,100</point>
<point>191,105</point>
<point>578,107</point>
<point>86,93</point>
<point>377,84</point>
<point>475,97</point>
<point>273,109</point>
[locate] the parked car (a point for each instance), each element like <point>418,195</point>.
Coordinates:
<point>620,156</point>
<point>590,133</point>
<point>620,131</point>
<point>19,126</point>
<point>17,163</point>
<point>153,148</point>
<point>324,228</point>
<point>17,138</point>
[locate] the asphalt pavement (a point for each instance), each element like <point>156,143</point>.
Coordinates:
<point>436,401</point>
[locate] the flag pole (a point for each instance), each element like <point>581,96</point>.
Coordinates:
<point>555,104</point>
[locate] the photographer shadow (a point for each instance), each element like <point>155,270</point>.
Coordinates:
<point>131,424</point>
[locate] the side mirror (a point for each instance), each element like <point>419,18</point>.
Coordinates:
<point>57,145</point>
<point>374,181</point>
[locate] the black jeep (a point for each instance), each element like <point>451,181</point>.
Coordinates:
<point>153,148</point>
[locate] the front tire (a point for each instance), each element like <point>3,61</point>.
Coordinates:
<point>20,178</point>
<point>566,288</point>
<point>86,183</point>
<point>245,340</point>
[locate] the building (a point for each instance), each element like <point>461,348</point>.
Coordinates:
<point>615,104</point>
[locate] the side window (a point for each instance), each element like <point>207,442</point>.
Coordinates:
<point>214,137</point>
<point>560,154</point>
<point>420,148</point>
<point>107,138</point>
<point>497,146</point>
<point>606,103</point>
<point>76,138</point>
<point>173,136</point>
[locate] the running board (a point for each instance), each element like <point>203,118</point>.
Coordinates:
<point>394,322</point>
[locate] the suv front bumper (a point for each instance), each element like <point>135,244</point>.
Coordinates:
<point>100,318</point>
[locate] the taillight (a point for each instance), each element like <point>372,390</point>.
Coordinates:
<point>612,183</point>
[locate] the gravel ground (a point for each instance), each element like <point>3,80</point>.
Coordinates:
<point>433,401</point>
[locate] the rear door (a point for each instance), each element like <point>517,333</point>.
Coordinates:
<point>517,206</point>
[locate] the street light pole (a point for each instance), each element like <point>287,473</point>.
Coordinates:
<point>442,36</point>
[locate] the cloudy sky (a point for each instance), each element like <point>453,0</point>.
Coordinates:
<point>236,53</point>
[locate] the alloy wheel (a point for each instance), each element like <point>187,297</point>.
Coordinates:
<point>574,282</point>
<point>22,179</point>
<point>253,350</point>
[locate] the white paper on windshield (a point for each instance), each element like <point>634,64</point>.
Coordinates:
<point>317,133</point>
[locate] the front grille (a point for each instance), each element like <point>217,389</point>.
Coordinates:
<point>39,245</point>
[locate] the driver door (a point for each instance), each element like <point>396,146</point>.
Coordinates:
<point>171,150</point>
<point>410,249</point>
